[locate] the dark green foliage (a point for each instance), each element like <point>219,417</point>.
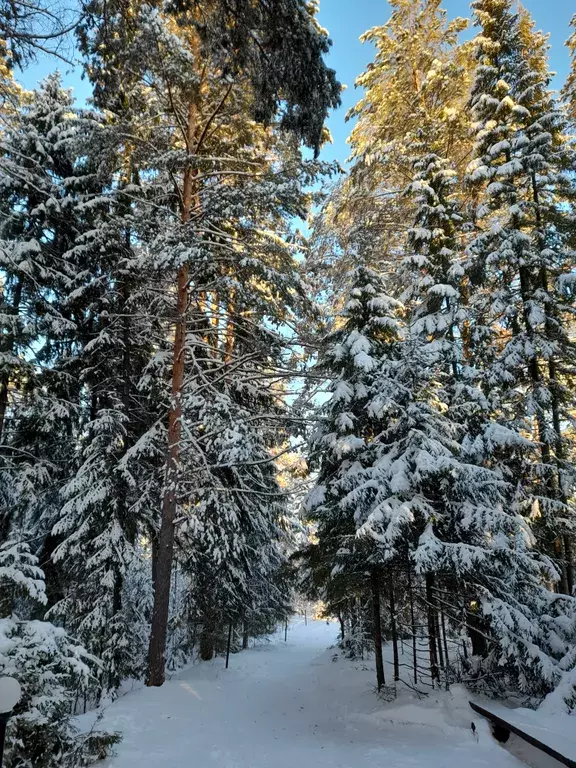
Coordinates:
<point>278,47</point>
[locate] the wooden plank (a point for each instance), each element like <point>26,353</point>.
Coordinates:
<point>542,746</point>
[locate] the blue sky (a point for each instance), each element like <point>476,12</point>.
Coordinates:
<point>346,20</point>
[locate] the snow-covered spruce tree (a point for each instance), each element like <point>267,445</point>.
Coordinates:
<point>51,668</point>
<point>184,51</point>
<point>232,534</point>
<point>35,225</point>
<point>96,545</point>
<point>79,356</point>
<point>431,273</point>
<point>38,397</point>
<point>549,159</point>
<point>103,511</point>
<point>353,361</point>
<point>424,502</point>
<point>521,259</point>
<point>470,505</point>
<point>422,496</point>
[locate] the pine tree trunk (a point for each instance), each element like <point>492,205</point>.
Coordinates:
<point>153,557</point>
<point>4,384</point>
<point>342,628</point>
<point>432,634</point>
<point>439,639</point>
<point>8,346</point>
<point>206,649</point>
<point>165,554</point>
<point>569,554</point>
<point>445,641</point>
<point>414,629</point>
<point>394,632</point>
<point>126,349</point>
<point>228,644</point>
<point>375,586</point>
<point>117,594</point>
<point>479,645</point>
<point>230,335</point>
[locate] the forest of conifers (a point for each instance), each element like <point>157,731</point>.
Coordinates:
<point>234,375</point>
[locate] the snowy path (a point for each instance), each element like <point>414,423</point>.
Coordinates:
<point>288,705</point>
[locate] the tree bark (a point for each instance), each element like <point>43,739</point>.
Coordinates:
<point>432,634</point>
<point>569,554</point>
<point>228,644</point>
<point>445,641</point>
<point>439,639</point>
<point>477,638</point>
<point>375,586</point>
<point>230,335</point>
<point>414,630</point>
<point>207,643</point>
<point>8,347</point>
<point>165,552</point>
<point>342,628</point>
<point>394,633</point>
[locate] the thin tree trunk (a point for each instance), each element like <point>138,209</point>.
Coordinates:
<point>439,639</point>
<point>165,556</point>
<point>117,594</point>
<point>375,585</point>
<point>414,631</point>
<point>206,649</point>
<point>394,633</point>
<point>8,347</point>
<point>445,640</point>
<point>228,644</point>
<point>432,635</point>
<point>126,349</point>
<point>477,635</point>
<point>342,627</point>
<point>569,554</point>
<point>153,557</point>
<point>4,385</point>
<point>230,334</point>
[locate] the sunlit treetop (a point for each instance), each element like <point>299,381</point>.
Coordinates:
<point>570,87</point>
<point>277,48</point>
<point>416,83</point>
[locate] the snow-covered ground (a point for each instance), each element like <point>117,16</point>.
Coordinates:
<point>291,705</point>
